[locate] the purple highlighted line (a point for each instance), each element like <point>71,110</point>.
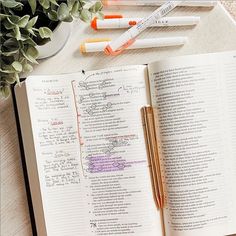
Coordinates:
<point>100,164</point>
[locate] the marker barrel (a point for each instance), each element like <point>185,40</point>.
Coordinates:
<point>195,3</point>
<point>129,22</point>
<point>138,44</point>
<point>115,47</point>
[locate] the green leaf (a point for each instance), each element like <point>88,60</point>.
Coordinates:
<point>63,12</point>
<point>31,32</point>
<point>10,35</point>
<point>8,70</point>
<point>27,67</point>
<point>14,19</point>
<point>70,4</point>
<point>32,51</point>
<point>24,37</point>
<point>85,15</point>
<point>23,21</point>
<point>32,22</point>
<point>17,32</point>
<point>53,7</point>
<point>54,2</point>
<point>11,44</point>
<point>30,54</point>
<point>75,10</point>
<point>10,79</point>
<point>45,32</point>
<point>52,15</point>
<point>30,41</point>
<point>33,5</point>
<point>8,24</point>
<point>5,91</point>
<point>68,19</point>
<point>11,4</point>
<point>10,53</point>
<point>41,41</point>
<point>44,3</point>
<point>96,7</point>
<point>17,66</point>
<point>16,76</point>
<point>82,4</point>
<point>3,16</point>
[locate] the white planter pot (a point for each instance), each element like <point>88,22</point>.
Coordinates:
<point>58,41</point>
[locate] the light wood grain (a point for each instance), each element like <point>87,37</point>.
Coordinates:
<point>14,209</point>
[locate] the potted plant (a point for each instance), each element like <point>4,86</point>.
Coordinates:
<point>27,24</point>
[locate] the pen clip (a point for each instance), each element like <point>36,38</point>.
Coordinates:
<point>108,50</point>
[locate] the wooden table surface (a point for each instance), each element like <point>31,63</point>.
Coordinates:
<point>14,209</point>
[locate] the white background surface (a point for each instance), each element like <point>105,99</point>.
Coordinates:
<point>207,36</point>
<point>216,32</point>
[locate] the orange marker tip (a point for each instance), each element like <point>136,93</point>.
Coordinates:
<point>94,23</point>
<point>108,50</point>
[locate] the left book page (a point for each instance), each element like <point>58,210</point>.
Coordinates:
<point>49,130</point>
<point>91,169</point>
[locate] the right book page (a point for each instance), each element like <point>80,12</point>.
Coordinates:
<point>195,97</point>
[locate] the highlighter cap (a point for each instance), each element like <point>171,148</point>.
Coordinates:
<point>84,44</point>
<point>82,48</point>
<point>94,23</point>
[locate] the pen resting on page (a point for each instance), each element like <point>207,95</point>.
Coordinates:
<point>153,155</point>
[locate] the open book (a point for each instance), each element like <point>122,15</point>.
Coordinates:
<point>86,155</point>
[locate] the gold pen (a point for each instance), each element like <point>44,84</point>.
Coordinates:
<point>153,156</point>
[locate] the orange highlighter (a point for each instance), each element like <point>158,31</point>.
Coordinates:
<point>194,3</point>
<point>98,45</point>
<point>125,40</point>
<point>119,22</point>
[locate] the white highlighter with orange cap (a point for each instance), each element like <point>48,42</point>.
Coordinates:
<point>115,47</point>
<point>98,45</point>
<point>194,3</point>
<point>119,22</point>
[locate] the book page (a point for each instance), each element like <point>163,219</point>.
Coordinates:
<point>195,98</point>
<point>113,154</point>
<point>90,152</point>
<point>54,127</point>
